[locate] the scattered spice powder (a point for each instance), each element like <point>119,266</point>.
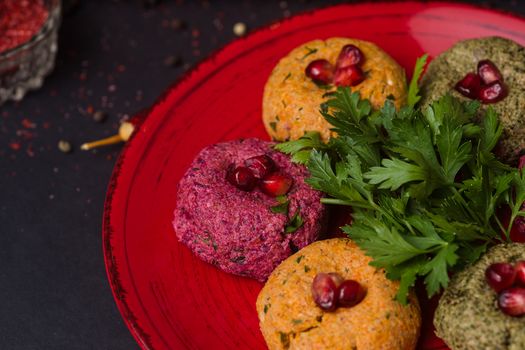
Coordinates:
<point>178,24</point>
<point>30,151</point>
<point>239,29</point>
<point>100,116</point>
<point>172,61</point>
<point>28,124</point>
<point>15,146</point>
<point>64,146</point>
<point>20,20</point>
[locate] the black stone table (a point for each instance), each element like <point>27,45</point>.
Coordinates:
<point>115,58</point>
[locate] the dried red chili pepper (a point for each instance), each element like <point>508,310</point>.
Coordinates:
<point>125,131</point>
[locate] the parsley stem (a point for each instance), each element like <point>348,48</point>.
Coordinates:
<point>472,214</point>
<point>407,225</point>
<point>506,231</point>
<point>345,202</point>
<point>511,223</point>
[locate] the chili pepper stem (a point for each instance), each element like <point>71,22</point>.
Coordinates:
<point>104,142</point>
<point>124,133</point>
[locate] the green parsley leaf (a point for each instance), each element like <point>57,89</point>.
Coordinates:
<point>492,130</point>
<point>394,173</point>
<point>309,52</point>
<point>345,112</point>
<point>517,203</point>
<point>281,199</point>
<point>300,149</point>
<point>452,151</point>
<point>423,184</point>
<point>294,223</point>
<point>436,269</point>
<point>285,340</point>
<point>282,207</point>
<point>413,88</point>
<point>301,157</point>
<point>379,239</point>
<point>345,182</point>
<point>406,274</point>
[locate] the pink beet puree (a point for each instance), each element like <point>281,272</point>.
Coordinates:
<point>235,230</point>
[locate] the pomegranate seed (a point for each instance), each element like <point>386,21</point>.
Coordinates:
<point>350,55</point>
<point>276,184</point>
<point>500,276</point>
<point>348,76</point>
<point>521,163</point>
<point>512,301</point>
<point>520,272</point>
<point>324,292</point>
<point>241,177</point>
<point>260,165</point>
<point>469,86</point>
<point>320,71</point>
<point>337,278</point>
<point>493,92</point>
<point>517,232</point>
<point>350,293</point>
<point>488,72</point>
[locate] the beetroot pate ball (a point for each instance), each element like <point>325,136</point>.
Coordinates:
<point>237,230</point>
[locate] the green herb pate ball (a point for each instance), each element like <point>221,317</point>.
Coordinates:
<point>468,317</point>
<point>452,65</point>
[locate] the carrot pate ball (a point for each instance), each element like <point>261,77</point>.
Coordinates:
<point>291,99</point>
<point>290,319</point>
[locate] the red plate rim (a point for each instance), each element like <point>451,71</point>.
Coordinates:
<point>137,138</point>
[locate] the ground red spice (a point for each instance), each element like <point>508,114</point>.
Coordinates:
<point>15,146</point>
<point>20,20</point>
<point>28,124</point>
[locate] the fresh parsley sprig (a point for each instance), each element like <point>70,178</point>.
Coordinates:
<point>294,222</point>
<point>413,88</point>
<point>424,184</point>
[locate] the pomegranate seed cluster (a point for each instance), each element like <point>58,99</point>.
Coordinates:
<point>509,282</point>
<point>486,85</point>
<point>346,72</point>
<point>259,171</point>
<point>331,291</point>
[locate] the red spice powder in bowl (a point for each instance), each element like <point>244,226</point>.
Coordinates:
<point>20,21</point>
<point>28,44</point>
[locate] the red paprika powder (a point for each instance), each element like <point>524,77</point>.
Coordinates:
<point>20,20</point>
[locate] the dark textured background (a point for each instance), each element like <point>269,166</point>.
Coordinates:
<point>114,56</point>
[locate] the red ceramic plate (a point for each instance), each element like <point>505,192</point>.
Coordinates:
<point>170,299</point>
